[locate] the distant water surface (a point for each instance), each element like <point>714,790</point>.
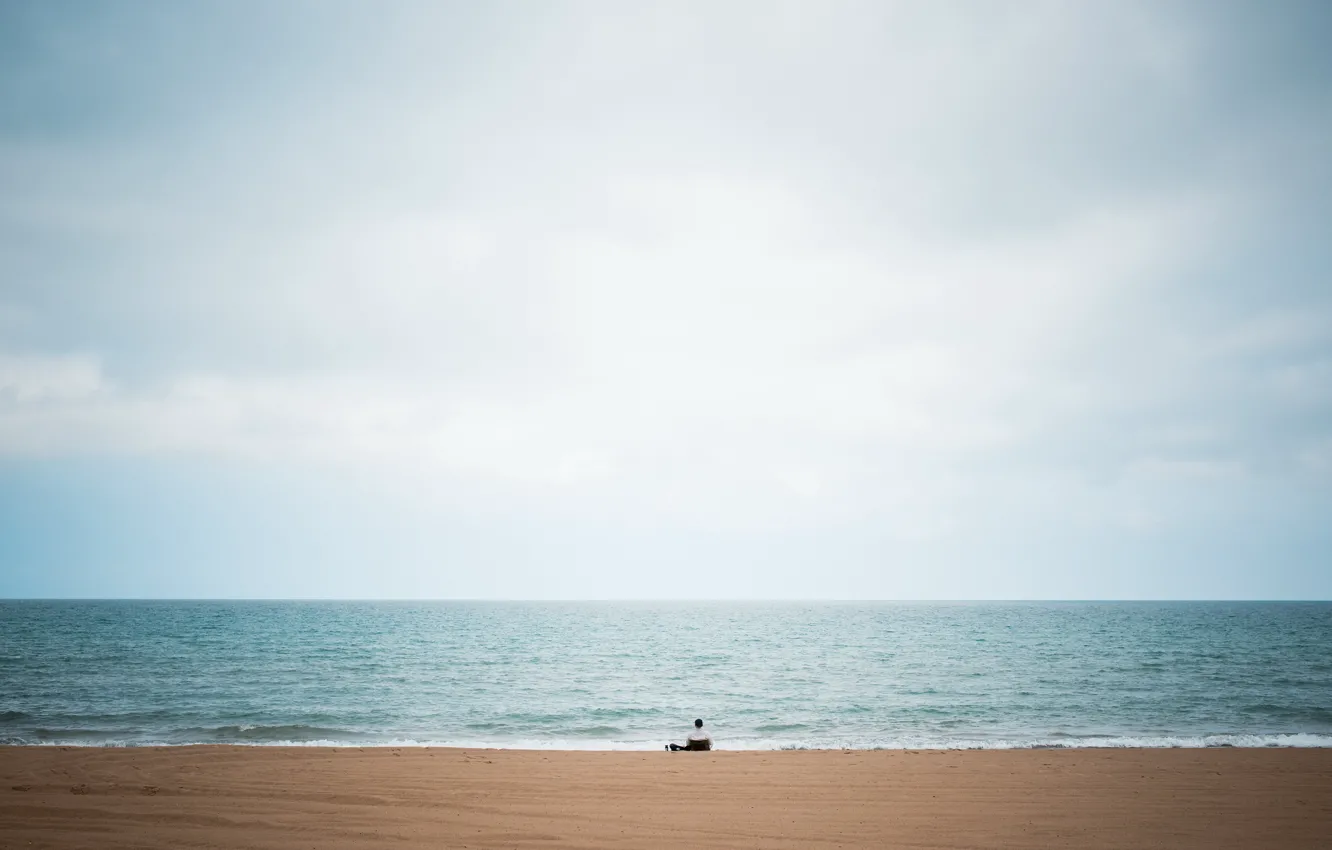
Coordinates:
<point>619,675</point>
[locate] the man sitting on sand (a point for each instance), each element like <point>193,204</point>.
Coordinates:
<point>698,739</point>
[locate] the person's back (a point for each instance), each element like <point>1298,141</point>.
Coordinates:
<point>699,739</point>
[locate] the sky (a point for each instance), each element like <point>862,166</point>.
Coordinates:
<point>926,300</point>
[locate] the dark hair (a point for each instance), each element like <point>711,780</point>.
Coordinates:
<point>698,723</point>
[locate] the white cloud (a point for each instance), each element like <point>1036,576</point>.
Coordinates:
<point>39,379</point>
<point>726,267</point>
<point>711,352</point>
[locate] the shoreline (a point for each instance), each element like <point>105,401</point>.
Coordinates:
<point>368,796</point>
<point>1228,741</point>
<point>641,750</point>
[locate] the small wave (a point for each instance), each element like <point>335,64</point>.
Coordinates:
<point>43,735</point>
<point>1296,716</point>
<point>622,713</point>
<point>11,716</point>
<point>597,731</point>
<point>246,734</point>
<point>306,736</point>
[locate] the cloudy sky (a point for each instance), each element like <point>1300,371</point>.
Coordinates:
<point>564,300</point>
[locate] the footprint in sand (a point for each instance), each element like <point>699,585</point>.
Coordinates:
<point>150,790</point>
<point>79,789</point>
<point>20,787</point>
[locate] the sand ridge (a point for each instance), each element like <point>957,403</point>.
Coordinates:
<point>288,798</point>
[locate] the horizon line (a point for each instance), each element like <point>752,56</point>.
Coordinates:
<point>730,599</point>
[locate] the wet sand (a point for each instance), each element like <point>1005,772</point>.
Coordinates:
<point>288,798</point>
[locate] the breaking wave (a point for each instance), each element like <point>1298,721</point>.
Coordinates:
<point>311,736</point>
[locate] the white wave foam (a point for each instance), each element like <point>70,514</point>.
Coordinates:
<point>1085,742</point>
<point>1238,740</point>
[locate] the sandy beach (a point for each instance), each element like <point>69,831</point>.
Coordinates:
<point>287,798</point>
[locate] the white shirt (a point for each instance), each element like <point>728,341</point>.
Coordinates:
<point>699,734</point>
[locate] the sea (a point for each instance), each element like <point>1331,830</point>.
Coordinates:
<point>635,675</point>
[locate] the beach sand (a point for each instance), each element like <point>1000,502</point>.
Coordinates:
<point>288,798</point>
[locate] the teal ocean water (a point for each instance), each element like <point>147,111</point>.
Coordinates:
<point>616,675</point>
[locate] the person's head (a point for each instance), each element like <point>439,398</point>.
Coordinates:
<point>698,724</point>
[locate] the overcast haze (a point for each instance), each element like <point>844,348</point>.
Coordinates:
<point>771,300</point>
